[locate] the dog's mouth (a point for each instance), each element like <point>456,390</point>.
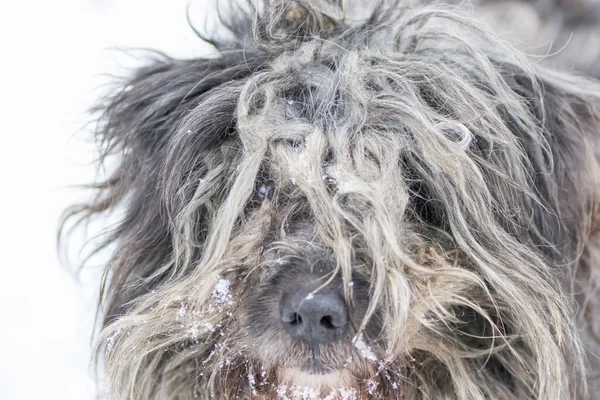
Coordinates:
<point>315,383</point>
<point>319,379</point>
<point>315,368</point>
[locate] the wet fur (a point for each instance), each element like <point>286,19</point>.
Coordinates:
<point>414,153</point>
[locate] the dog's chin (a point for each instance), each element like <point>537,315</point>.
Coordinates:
<point>318,381</point>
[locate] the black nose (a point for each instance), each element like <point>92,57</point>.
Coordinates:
<point>313,315</point>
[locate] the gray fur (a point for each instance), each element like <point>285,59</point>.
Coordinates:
<point>412,152</point>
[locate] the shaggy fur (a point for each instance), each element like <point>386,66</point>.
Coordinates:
<point>450,184</point>
<point>565,32</point>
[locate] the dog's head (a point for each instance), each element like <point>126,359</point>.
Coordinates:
<point>387,208</point>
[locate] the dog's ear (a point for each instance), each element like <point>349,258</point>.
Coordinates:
<point>136,125</point>
<point>566,175</point>
<point>568,108</point>
<point>563,151</point>
<point>148,108</point>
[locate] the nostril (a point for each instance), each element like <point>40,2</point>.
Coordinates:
<point>327,322</point>
<point>296,319</point>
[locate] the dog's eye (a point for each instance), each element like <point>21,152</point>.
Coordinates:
<point>426,208</point>
<point>263,191</point>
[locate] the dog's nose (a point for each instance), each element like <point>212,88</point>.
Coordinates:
<point>313,315</point>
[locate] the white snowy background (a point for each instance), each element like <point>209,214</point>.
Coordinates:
<point>52,57</point>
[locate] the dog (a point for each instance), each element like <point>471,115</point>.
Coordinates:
<point>351,201</point>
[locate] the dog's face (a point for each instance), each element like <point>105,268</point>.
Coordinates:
<point>377,214</point>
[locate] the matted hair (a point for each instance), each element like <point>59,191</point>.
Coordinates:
<point>412,148</point>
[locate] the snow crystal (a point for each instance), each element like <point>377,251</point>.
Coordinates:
<point>110,341</point>
<point>252,382</point>
<point>363,348</point>
<point>182,311</point>
<point>371,386</point>
<point>222,291</point>
<point>348,361</point>
<point>194,332</point>
<point>351,283</point>
<point>210,356</point>
<point>309,393</point>
<point>282,392</point>
<point>196,329</point>
<point>310,296</point>
<point>305,393</point>
<point>347,394</point>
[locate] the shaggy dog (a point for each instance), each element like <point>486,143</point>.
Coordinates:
<point>351,203</point>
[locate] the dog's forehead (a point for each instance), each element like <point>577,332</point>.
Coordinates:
<point>323,108</point>
<point>304,93</point>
